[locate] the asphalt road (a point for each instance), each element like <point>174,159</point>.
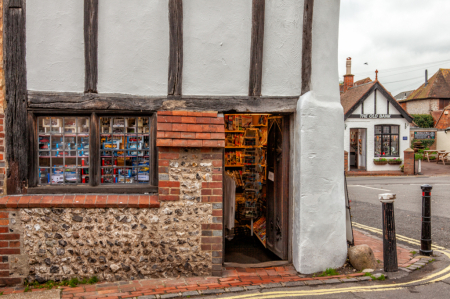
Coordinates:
<point>366,207</point>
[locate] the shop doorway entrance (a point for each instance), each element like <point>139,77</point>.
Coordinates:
<point>256,188</point>
<point>358,149</point>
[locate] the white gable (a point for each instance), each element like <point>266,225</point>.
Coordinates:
<point>382,104</point>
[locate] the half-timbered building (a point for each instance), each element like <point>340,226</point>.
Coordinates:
<point>124,119</point>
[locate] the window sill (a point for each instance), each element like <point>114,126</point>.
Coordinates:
<point>108,189</point>
<point>80,201</point>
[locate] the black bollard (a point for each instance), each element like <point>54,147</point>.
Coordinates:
<point>389,239</point>
<point>425,246</point>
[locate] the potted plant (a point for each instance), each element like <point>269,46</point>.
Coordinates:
<point>402,168</point>
<point>395,161</point>
<point>380,161</point>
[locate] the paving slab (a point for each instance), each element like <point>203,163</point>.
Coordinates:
<point>295,283</point>
<point>332,281</point>
<point>190,293</point>
<point>236,289</point>
<point>271,285</point>
<point>314,282</point>
<point>147,297</point>
<point>169,296</point>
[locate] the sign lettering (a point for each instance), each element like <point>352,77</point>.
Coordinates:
<point>375,116</point>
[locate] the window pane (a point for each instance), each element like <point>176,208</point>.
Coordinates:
<point>386,130</point>
<point>63,150</point>
<point>377,142</point>
<point>124,152</point>
<point>386,143</point>
<point>394,129</point>
<point>394,145</point>
<point>377,129</point>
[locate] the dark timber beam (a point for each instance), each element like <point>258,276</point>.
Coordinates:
<point>16,119</point>
<point>91,45</point>
<point>176,47</point>
<point>307,45</point>
<point>111,103</point>
<point>256,56</point>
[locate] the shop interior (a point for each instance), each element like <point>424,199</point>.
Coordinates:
<point>358,149</point>
<point>245,188</point>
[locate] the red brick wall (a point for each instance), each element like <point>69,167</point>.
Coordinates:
<point>190,129</point>
<point>9,247</point>
<point>408,162</point>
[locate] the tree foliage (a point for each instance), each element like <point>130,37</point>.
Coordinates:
<point>423,120</point>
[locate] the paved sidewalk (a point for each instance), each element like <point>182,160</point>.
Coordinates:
<point>233,280</point>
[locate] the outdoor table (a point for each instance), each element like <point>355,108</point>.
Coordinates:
<point>428,152</point>
<point>442,155</point>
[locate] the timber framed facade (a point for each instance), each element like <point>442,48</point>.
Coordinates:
<point>162,74</point>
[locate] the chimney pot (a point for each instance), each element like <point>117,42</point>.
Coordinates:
<point>348,77</point>
<point>426,77</point>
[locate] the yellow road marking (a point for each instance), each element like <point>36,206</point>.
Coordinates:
<point>377,288</point>
<point>399,237</point>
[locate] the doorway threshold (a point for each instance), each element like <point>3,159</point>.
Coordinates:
<point>257,265</point>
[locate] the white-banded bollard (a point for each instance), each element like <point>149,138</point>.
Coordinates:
<point>389,239</point>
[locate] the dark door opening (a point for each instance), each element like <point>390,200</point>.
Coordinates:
<point>256,188</point>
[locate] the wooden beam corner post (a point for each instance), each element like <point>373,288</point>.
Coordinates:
<point>307,45</point>
<point>257,47</point>
<point>91,45</point>
<point>16,124</point>
<point>176,47</point>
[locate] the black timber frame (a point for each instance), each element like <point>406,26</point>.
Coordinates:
<point>16,119</point>
<point>24,106</point>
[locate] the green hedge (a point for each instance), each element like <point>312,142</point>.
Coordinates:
<point>423,120</point>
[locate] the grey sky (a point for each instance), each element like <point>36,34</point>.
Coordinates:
<point>391,34</point>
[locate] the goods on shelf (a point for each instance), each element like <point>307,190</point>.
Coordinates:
<point>124,150</point>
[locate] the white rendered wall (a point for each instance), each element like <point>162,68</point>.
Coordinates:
<point>133,47</point>
<point>319,236</point>
<point>282,56</point>
<point>217,39</point>
<point>369,124</point>
<point>55,45</point>
<point>442,141</point>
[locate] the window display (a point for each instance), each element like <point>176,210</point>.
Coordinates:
<point>63,150</point>
<point>124,150</point>
<point>386,141</point>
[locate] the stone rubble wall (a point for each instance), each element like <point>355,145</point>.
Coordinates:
<point>115,244</point>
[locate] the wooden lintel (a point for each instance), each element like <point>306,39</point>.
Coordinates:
<point>257,46</point>
<point>16,118</point>
<point>176,47</point>
<point>91,45</point>
<point>110,103</point>
<point>307,45</point>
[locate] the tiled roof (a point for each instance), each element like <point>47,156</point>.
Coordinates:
<point>354,94</point>
<point>438,87</point>
<point>403,95</point>
<point>363,81</point>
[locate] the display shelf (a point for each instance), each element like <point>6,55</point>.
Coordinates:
<point>263,243</point>
<point>240,165</point>
<point>237,131</point>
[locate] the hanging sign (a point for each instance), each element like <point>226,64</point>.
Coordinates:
<point>375,116</point>
<point>271,176</point>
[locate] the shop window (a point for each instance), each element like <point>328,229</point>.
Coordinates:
<point>125,150</point>
<point>63,150</point>
<point>123,153</point>
<point>386,141</point>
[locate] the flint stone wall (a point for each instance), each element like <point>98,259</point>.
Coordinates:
<point>116,244</point>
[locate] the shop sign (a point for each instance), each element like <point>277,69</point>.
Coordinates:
<point>375,116</point>
<point>424,135</point>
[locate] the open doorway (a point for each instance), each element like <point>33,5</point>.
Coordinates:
<point>358,149</point>
<point>256,188</point>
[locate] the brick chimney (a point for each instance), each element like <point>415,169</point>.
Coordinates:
<point>348,77</point>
